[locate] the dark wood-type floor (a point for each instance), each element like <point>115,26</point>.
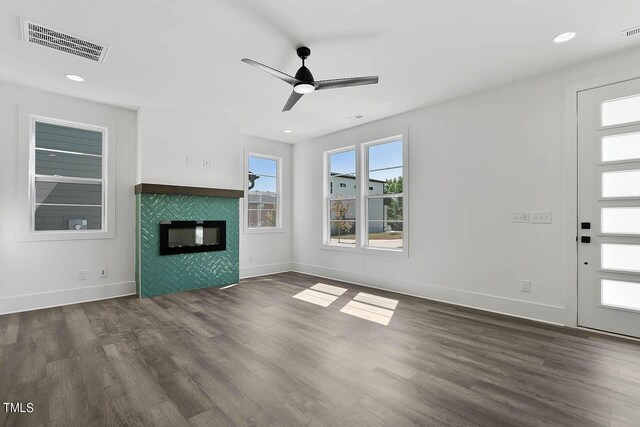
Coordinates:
<point>253,355</point>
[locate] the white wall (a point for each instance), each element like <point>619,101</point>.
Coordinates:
<point>40,274</point>
<point>167,137</point>
<point>473,161</point>
<point>268,252</point>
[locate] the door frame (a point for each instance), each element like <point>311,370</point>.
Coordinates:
<point>570,183</point>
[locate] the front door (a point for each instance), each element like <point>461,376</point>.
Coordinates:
<point>609,208</point>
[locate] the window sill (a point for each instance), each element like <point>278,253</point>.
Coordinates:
<point>44,236</point>
<point>263,230</point>
<point>395,253</point>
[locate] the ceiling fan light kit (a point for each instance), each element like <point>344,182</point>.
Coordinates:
<point>304,83</point>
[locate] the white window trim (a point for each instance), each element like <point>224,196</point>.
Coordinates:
<point>28,116</point>
<point>265,154</point>
<point>362,187</point>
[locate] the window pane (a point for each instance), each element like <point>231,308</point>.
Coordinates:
<point>67,218</point>
<point>265,184</point>
<point>387,181</point>
<point>343,163</point>
<point>343,174</point>
<point>621,220</point>
<point>56,137</point>
<point>68,194</point>
<point>342,221</point>
<point>621,147</point>
<point>262,200</point>
<point>262,217</point>
<point>385,168</point>
<point>385,227</point>
<point>620,257</point>
<point>343,232</point>
<point>262,166</point>
<point>619,111</point>
<point>262,209</point>
<point>621,183</point>
<point>387,155</point>
<point>72,165</point>
<point>621,294</point>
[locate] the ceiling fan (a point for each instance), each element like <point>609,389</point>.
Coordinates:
<point>303,81</point>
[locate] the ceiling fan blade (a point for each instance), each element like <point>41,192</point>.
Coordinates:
<point>338,83</point>
<point>279,74</point>
<point>293,98</point>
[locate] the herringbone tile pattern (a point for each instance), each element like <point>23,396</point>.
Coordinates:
<point>175,273</point>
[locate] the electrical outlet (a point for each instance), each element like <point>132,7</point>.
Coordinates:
<point>251,258</point>
<point>104,273</point>
<point>83,274</point>
<point>525,285</point>
<point>207,163</point>
<point>520,217</point>
<point>541,217</point>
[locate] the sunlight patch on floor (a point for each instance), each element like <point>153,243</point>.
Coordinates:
<point>334,290</point>
<point>376,300</point>
<point>368,312</point>
<point>315,297</point>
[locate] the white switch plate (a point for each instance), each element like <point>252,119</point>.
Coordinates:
<point>83,274</point>
<point>520,217</point>
<point>104,273</point>
<point>189,161</point>
<point>541,217</point>
<point>525,285</point>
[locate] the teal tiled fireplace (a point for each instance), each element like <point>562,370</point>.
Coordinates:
<point>158,274</point>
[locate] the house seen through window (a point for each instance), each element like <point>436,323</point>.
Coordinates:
<point>67,171</point>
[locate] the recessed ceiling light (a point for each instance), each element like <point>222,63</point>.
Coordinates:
<point>74,77</point>
<point>564,37</point>
<point>288,131</point>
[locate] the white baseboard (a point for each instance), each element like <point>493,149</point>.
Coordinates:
<point>65,297</point>
<point>512,307</point>
<point>262,270</point>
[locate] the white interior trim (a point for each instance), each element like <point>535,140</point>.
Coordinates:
<point>265,269</point>
<point>545,313</point>
<point>39,301</point>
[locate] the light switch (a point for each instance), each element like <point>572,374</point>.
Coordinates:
<point>541,217</point>
<point>520,217</point>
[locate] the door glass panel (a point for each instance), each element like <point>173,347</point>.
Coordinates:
<point>621,183</point>
<point>620,111</point>
<point>621,220</point>
<point>620,257</point>
<point>620,294</point>
<point>621,147</point>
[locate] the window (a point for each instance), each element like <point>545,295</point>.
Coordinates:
<point>67,171</point>
<point>384,208</point>
<point>366,199</point>
<point>342,198</point>
<point>263,192</point>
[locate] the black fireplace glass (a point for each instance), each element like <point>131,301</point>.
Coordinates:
<point>177,237</point>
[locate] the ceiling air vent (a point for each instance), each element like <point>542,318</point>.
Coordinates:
<point>631,32</point>
<point>58,40</point>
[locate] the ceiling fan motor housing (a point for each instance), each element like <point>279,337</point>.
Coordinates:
<point>304,75</point>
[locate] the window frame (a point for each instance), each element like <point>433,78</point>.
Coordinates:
<point>279,165</point>
<point>327,198</point>
<point>362,195</point>
<point>29,116</point>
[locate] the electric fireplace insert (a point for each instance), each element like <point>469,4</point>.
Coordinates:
<point>184,237</point>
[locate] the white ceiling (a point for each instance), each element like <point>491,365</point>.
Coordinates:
<point>185,55</point>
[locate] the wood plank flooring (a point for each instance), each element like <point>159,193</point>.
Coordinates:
<point>254,355</point>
